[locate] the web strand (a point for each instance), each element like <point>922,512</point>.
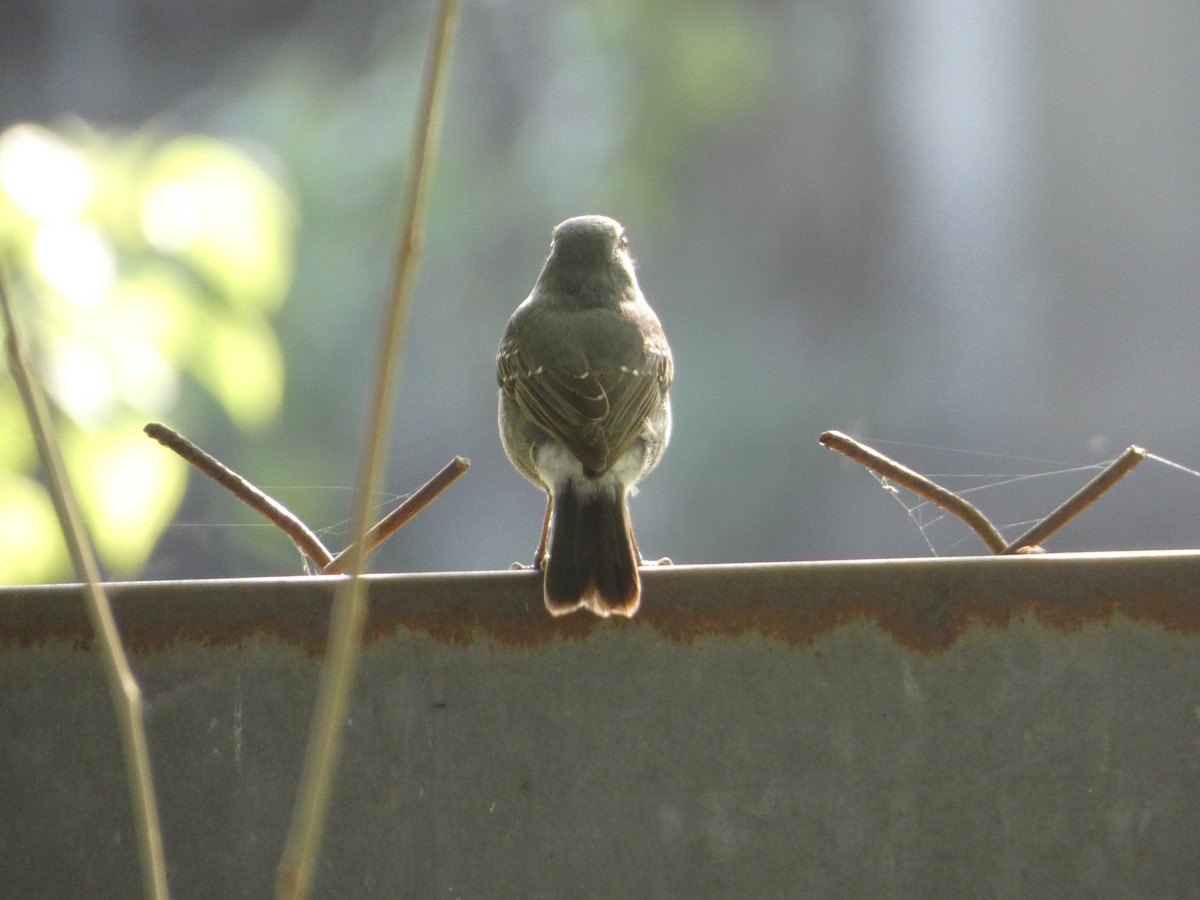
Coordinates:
<point>929,518</point>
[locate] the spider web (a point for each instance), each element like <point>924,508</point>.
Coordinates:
<point>301,496</point>
<point>1014,492</point>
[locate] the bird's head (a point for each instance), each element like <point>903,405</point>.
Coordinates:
<point>589,259</point>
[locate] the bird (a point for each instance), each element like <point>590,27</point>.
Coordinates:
<point>585,376</point>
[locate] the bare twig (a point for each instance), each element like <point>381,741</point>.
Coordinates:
<point>294,880</point>
<point>268,507</point>
<point>1084,497</point>
<point>126,695</point>
<point>287,521</point>
<point>918,484</point>
<point>405,512</point>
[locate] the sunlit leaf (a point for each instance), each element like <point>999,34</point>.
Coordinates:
<point>128,487</point>
<point>75,260</point>
<point>31,546</point>
<point>43,175</point>
<point>17,452</point>
<point>242,366</point>
<point>216,209</point>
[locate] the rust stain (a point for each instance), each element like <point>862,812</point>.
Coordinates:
<point>221,615</point>
<point>509,619</point>
<point>923,608</point>
<point>929,615</point>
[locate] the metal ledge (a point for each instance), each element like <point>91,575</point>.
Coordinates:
<point>1021,726</point>
<point>925,605</point>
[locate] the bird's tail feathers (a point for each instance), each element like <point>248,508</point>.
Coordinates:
<point>592,562</point>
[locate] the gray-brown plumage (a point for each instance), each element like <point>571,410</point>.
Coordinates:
<point>585,373</point>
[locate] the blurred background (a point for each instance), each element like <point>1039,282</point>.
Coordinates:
<point>964,226</point>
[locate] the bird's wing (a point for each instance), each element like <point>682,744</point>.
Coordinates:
<point>634,396</point>
<point>569,406</point>
<point>596,413</point>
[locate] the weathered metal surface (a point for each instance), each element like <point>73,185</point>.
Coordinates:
<point>937,728</point>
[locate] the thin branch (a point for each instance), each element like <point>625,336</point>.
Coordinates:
<point>405,512</point>
<point>1084,497</point>
<point>126,695</point>
<point>268,507</point>
<point>918,484</point>
<point>295,875</point>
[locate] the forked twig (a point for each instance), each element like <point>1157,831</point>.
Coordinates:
<point>918,484</point>
<point>404,513</point>
<point>287,521</point>
<point>126,695</point>
<point>294,878</point>
<point>953,503</point>
<point>1080,500</point>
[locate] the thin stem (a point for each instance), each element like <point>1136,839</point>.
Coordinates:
<point>918,484</point>
<point>350,606</point>
<point>1081,499</point>
<point>126,695</point>
<point>268,507</point>
<point>405,512</point>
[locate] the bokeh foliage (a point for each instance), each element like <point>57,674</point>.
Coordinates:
<point>873,217</point>
<point>138,260</point>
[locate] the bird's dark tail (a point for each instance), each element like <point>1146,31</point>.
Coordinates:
<point>592,562</point>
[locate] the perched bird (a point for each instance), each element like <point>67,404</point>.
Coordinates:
<point>585,372</point>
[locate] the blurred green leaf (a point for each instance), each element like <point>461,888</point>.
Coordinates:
<point>216,210</point>
<point>137,259</point>
<point>17,452</point>
<point>241,365</point>
<point>127,486</point>
<point>31,544</point>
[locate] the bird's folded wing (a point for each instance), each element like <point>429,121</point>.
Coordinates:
<point>596,414</point>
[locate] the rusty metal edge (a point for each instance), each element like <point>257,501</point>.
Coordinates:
<point>925,605</point>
